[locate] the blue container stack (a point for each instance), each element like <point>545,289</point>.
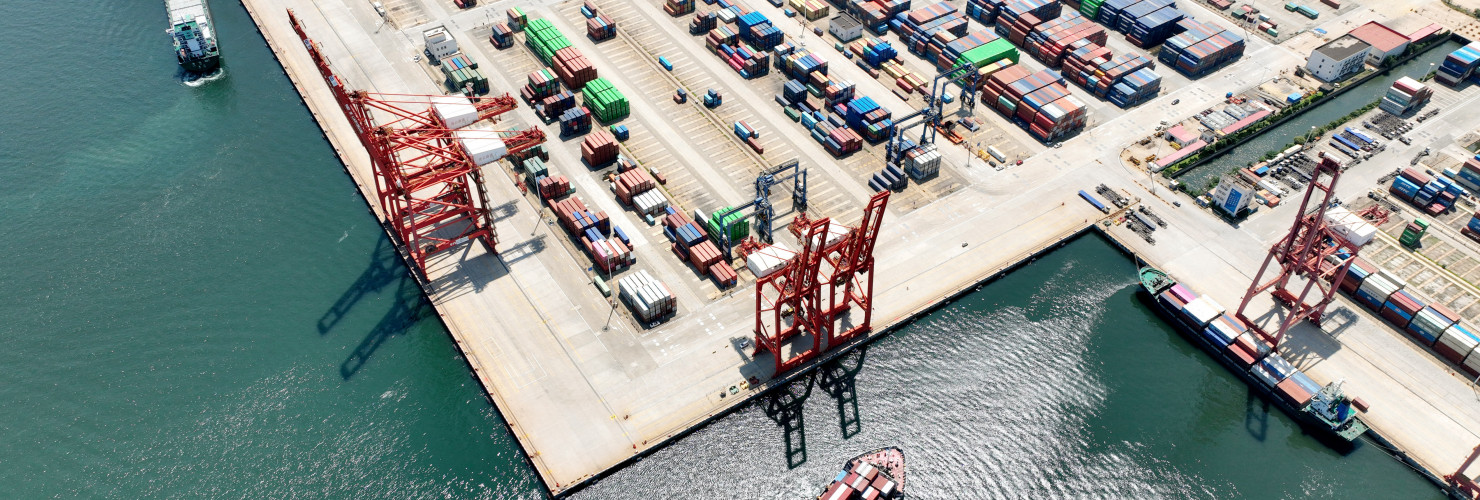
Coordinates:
<point>794,91</point>
<point>876,51</point>
<point>1135,88</point>
<point>758,31</point>
<point>1460,65</point>
<point>1110,11</point>
<point>1152,29</point>
<point>984,11</point>
<point>1132,12</point>
<point>1406,188</point>
<point>575,121</point>
<point>1201,48</point>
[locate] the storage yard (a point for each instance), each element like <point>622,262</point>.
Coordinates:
<point>656,177</point>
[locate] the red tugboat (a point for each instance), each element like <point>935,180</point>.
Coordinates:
<point>875,475</point>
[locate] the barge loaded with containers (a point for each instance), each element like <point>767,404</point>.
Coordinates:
<point>194,36</point>
<point>876,475</point>
<point>1325,410</point>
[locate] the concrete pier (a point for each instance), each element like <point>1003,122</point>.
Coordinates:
<point>585,389</point>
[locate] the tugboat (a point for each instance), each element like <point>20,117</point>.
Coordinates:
<point>875,475</point>
<point>195,38</point>
<point>1327,410</point>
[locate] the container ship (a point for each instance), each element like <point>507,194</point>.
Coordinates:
<point>875,475</point>
<point>1326,410</point>
<point>195,38</point>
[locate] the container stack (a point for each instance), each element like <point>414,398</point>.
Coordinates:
<point>1135,88</point>
<point>988,53</point>
<point>544,39</point>
<point>516,18</point>
<point>1128,16</point>
<point>758,31</point>
<point>745,61</point>
<point>1109,11</point>
<point>1429,324</point>
<point>1459,65</point>
<point>875,51</point>
<point>1038,102</point>
<point>501,35</point>
<point>892,178</point>
<point>1110,73</point>
<point>953,50</point>
<point>702,23</point>
<point>1400,308</point>
<point>573,68</point>
<point>649,298</point>
<point>541,84</point>
<point>922,162</point>
<point>575,121</point>
<point>601,27</point>
<point>984,11</point>
<point>917,27</point>
<point>1090,8</point>
<point>811,9</point>
<point>576,218</point>
<point>866,116</point>
<point>606,103</point>
<point>553,187</point>
<point>554,107</point>
<point>1456,343</point>
<point>677,8</point>
<point>1405,95</point>
<point>738,224</point>
<point>632,183</point>
<point>1050,40</point>
<point>599,149</point>
<point>1201,48</point>
<point>800,64</point>
<point>1083,60</point>
<point>1154,28</point>
<point>721,35</point>
<point>1015,26</point>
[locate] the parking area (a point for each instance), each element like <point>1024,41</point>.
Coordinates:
<point>1252,14</point>
<point>404,13</point>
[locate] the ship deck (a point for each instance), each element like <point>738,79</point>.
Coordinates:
<point>584,389</point>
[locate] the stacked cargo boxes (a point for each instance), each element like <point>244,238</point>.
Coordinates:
<point>922,162</point>
<point>1110,73</point>
<point>462,74</point>
<point>1459,65</point>
<point>1429,324</point>
<point>1154,28</point>
<point>541,84</point>
<point>984,11</point>
<point>1457,344</point>
<point>555,106</point>
<point>606,103</point>
<point>988,53</point>
<point>811,9</point>
<point>1135,88</point>
<point>758,31</point>
<point>575,121</point>
<point>1038,102</point>
<point>677,8</point>
<point>1405,95</point>
<point>1202,48</point>
<point>573,68</point>
<point>745,61</point>
<point>1468,173</point>
<point>875,51</point>
<point>1050,40</point>
<point>702,23</point>
<point>632,183</point>
<point>601,27</point>
<point>951,53</point>
<point>649,298</point>
<point>1356,274</point>
<point>1082,62</point>
<point>737,222</point>
<point>720,35</point>
<point>576,218</point>
<point>599,148</point>
<point>800,64</point>
<point>1376,289</point>
<point>552,187</point>
<point>544,39</point>
<point>1090,8</point>
<point>870,119</point>
<point>1128,16</point>
<point>517,19</point>
<point>1400,308</point>
<point>501,35</point>
<point>916,28</point>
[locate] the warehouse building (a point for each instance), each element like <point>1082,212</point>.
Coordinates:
<point>1338,59</point>
<point>1384,41</point>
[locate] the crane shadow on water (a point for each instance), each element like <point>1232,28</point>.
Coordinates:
<point>384,270</point>
<point>838,379</point>
<point>407,305</point>
<point>1256,416</point>
<point>784,406</point>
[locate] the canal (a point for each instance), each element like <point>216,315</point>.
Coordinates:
<point>1279,138</point>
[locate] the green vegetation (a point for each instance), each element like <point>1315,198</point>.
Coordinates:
<point>1233,139</point>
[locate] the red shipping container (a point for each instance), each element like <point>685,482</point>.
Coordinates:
<point>573,68</point>
<point>599,148</point>
<point>723,274</point>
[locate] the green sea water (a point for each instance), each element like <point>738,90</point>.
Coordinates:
<point>197,304</point>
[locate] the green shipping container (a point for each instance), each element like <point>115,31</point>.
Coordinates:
<point>994,51</point>
<point>793,113</point>
<point>1003,100</point>
<point>1307,12</point>
<point>606,103</point>
<point>1290,6</point>
<point>739,225</point>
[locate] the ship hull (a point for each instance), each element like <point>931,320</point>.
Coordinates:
<point>201,65</point>
<point>1310,423</point>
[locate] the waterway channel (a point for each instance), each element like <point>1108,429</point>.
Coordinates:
<point>198,304</point>
<point>1278,138</point>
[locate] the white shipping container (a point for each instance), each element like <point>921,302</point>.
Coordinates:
<point>484,146</point>
<point>992,150</point>
<point>1457,340</point>
<point>650,202</point>
<point>1278,366</point>
<point>1473,360</point>
<point>1350,226</point>
<point>1201,310</point>
<point>1378,285</point>
<point>768,260</point>
<point>1264,376</point>
<point>455,110</point>
<point>439,42</point>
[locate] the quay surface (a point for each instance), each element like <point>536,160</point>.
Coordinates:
<point>584,391</point>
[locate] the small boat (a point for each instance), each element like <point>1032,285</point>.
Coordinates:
<point>875,475</point>
<point>1326,410</point>
<point>194,36</point>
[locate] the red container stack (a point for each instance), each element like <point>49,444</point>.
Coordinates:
<point>703,255</point>
<point>601,27</point>
<point>632,183</point>
<point>1082,59</point>
<point>599,148</point>
<point>554,187</point>
<point>723,275</point>
<point>677,8</point>
<point>573,68</point>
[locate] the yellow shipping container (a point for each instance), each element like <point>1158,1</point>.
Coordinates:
<point>795,4</point>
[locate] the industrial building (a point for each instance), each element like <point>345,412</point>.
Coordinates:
<point>1233,195</point>
<point>1338,58</point>
<point>845,28</point>
<point>1384,41</point>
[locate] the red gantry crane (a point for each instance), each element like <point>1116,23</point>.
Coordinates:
<point>1311,250</point>
<point>802,299</point>
<point>429,188</point>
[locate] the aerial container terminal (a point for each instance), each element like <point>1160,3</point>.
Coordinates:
<point>634,217</point>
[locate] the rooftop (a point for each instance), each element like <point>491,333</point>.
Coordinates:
<point>1379,36</point>
<point>1342,48</point>
<point>844,21</point>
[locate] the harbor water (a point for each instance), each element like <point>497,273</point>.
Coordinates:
<point>1279,138</point>
<point>198,304</point>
